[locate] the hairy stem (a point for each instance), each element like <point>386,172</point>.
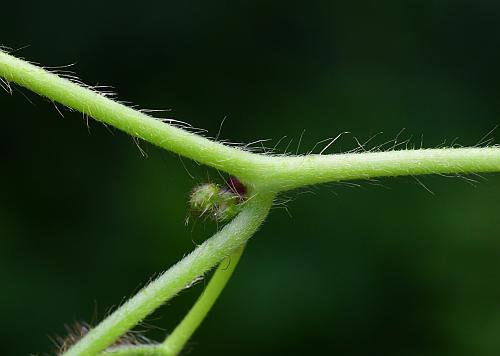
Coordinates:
<point>204,257</point>
<point>266,174</point>
<point>263,172</point>
<point>142,350</point>
<point>132,121</point>
<point>181,334</point>
<point>294,172</point>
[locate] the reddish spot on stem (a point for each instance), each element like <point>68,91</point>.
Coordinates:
<point>236,186</point>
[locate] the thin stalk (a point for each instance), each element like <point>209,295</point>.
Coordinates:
<point>175,342</point>
<point>204,257</point>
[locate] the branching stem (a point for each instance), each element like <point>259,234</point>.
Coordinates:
<point>182,333</point>
<point>263,172</point>
<point>263,175</point>
<point>171,282</point>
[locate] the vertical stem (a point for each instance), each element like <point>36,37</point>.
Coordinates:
<point>181,334</point>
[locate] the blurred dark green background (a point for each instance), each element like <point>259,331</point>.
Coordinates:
<point>85,220</point>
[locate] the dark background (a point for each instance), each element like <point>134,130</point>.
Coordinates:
<point>85,220</point>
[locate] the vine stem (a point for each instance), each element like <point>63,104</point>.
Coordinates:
<point>141,350</point>
<point>204,257</point>
<point>265,175</point>
<point>262,172</point>
<point>175,342</point>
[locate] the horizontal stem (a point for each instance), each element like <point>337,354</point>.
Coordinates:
<point>298,171</point>
<point>204,257</point>
<point>263,172</point>
<point>181,334</point>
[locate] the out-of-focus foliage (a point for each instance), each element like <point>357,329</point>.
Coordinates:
<point>384,269</point>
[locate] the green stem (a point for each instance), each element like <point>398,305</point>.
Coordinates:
<point>181,334</point>
<point>204,257</point>
<point>298,171</point>
<point>141,350</point>
<point>132,121</point>
<point>263,172</point>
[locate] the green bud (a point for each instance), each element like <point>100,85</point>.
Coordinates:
<point>204,197</point>
<point>220,204</point>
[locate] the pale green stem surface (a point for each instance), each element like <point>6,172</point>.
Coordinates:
<point>204,257</point>
<point>262,172</point>
<point>296,172</point>
<point>142,350</point>
<point>181,334</point>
